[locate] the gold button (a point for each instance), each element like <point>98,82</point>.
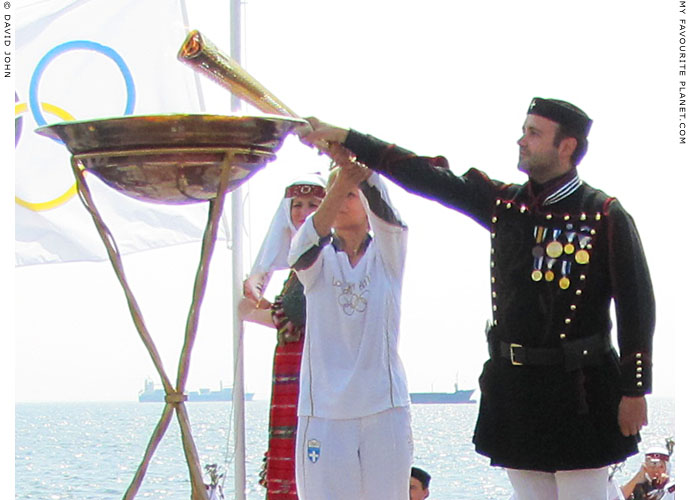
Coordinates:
<point>578,292</point>
<point>639,375</point>
<point>598,216</point>
<point>573,307</point>
<point>639,384</point>
<point>494,219</point>
<point>566,217</point>
<point>508,205</point>
<point>498,202</point>
<point>562,335</point>
<point>583,217</point>
<point>549,216</point>
<point>567,321</point>
<point>638,355</point>
<point>523,209</point>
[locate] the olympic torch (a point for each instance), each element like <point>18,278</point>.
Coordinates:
<point>203,56</point>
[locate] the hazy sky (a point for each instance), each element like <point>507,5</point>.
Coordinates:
<point>436,77</point>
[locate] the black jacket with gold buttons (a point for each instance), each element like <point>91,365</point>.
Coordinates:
<point>560,254</point>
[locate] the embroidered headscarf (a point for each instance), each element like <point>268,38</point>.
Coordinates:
<point>274,249</point>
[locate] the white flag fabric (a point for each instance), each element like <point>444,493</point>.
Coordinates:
<point>89,59</point>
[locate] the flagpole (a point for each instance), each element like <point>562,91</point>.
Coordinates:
<point>237,277</point>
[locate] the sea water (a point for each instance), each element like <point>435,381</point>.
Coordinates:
<point>92,450</point>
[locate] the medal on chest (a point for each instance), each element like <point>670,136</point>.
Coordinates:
<point>559,247</point>
<point>562,246</point>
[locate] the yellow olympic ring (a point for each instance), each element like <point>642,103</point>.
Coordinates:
<point>20,108</point>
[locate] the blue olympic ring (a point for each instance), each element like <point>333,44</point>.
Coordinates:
<point>75,45</point>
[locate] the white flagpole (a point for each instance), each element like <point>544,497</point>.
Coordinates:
<point>237,277</point>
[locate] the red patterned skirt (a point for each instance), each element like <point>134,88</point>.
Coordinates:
<point>282,424</point>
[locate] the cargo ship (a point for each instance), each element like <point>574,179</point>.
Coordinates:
<point>153,395</point>
<point>460,396</point>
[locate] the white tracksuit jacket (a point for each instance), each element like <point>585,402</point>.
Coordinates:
<point>350,366</point>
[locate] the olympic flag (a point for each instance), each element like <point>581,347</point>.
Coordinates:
<point>87,59</point>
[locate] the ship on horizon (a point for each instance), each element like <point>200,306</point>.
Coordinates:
<point>153,395</point>
<point>460,396</point>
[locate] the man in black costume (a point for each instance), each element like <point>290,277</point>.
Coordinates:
<point>558,403</point>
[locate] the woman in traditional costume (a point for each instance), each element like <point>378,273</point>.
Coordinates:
<point>287,315</point>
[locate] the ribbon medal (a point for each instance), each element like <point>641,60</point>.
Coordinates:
<point>553,258</point>
<point>538,253</point>
<point>569,248</point>
<point>554,249</point>
<point>564,282</point>
<point>582,255</point>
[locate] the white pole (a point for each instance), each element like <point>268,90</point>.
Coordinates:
<point>237,277</point>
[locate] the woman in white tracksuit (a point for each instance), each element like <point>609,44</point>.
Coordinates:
<point>354,436</point>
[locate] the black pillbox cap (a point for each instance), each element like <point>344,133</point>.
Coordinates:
<point>561,112</point>
<point>422,476</point>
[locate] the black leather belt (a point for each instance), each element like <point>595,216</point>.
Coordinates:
<point>572,354</point>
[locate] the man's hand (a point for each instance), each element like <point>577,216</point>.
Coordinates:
<point>632,414</point>
<point>322,135</point>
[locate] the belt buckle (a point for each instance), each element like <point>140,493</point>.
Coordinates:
<point>512,355</point>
